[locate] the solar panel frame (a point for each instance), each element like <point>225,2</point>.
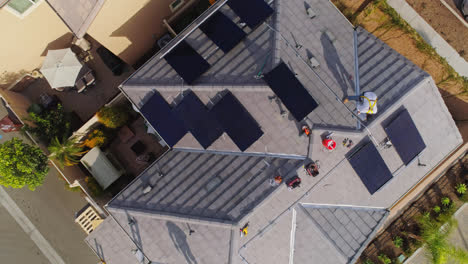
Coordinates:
<point>405,137</point>
<point>198,120</point>
<point>252,12</point>
<point>370,167</point>
<point>290,91</point>
<point>222,31</point>
<point>160,115</point>
<point>187,62</point>
<point>237,121</point>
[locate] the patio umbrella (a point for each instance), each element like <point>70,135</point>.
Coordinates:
<point>61,68</point>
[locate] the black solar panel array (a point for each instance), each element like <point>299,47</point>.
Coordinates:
<point>187,62</point>
<point>370,167</point>
<point>160,115</point>
<point>405,137</point>
<point>291,92</point>
<point>237,122</point>
<point>252,12</point>
<point>222,31</point>
<point>198,120</point>
<point>228,115</point>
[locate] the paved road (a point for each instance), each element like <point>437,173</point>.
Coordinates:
<point>15,245</point>
<point>50,209</point>
<point>459,237</point>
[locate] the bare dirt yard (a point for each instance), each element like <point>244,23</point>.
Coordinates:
<point>444,22</point>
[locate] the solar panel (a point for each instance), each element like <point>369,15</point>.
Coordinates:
<point>237,122</point>
<point>370,167</point>
<point>187,62</point>
<point>405,137</point>
<point>159,114</point>
<point>222,31</point>
<point>198,120</point>
<point>291,92</point>
<point>252,12</point>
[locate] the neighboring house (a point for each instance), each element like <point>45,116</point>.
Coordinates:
<point>32,27</point>
<point>130,28</point>
<point>127,28</point>
<point>231,106</point>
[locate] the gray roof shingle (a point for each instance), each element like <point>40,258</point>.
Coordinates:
<point>349,229</point>
<point>223,187</point>
<point>219,189</point>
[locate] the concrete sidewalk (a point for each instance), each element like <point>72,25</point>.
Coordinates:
<point>459,237</point>
<point>430,35</point>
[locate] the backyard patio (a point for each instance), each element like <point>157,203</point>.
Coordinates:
<point>135,148</point>
<point>84,104</point>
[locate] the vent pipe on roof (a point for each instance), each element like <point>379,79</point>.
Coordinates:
<point>147,189</point>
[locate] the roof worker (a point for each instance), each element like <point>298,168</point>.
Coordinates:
<point>366,103</point>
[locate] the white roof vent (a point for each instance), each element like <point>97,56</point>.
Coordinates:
<point>311,13</point>
<point>147,189</point>
<point>314,62</point>
<point>330,35</point>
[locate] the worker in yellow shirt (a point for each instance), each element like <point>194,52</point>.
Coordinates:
<point>365,104</point>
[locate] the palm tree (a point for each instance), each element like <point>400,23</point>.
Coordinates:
<point>436,238</point>
<point>67,153</point>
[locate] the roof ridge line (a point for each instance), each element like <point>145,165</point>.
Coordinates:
<point>202,88</point>
<point>343,206</point>
<point>235,153</point>
<point>172,216</point>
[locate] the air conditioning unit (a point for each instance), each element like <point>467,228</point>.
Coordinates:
<point>176,5</point>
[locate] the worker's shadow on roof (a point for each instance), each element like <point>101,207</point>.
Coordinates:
<point>99,251</point>
<point>342,76</point>
<point>179,238</point>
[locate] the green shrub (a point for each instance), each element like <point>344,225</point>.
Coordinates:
<point>385,259</point>
<point>368,261</point>
<point>445,201</point>
<point>461,188</point>
<point>94,187</point>
<point>436,209</point>
<point>67,152</point>
<point>113,116</point>
<point>50,124</point>
<point>97,138</point>
<point>398,242</point>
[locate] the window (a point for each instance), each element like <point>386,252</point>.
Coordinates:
<point>22,7</point>
<point>176,5</point>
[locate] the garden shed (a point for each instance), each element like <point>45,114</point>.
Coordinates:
<point>100,166</point>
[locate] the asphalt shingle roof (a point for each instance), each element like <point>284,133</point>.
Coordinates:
<point>222,188</point>
<point>217,187</point>
<point>347,228</point>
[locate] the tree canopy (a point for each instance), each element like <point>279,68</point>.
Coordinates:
<point>113,116</point>
<point>67,153</point>
<point>50,124</point>
<point>22,165</point>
